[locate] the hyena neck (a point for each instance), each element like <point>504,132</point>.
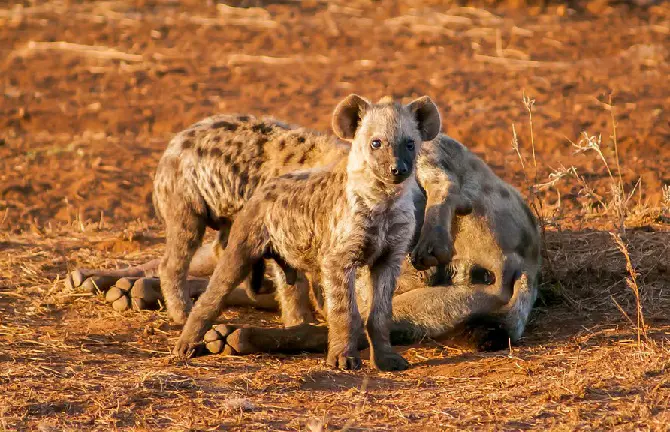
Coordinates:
<point>366,192</point>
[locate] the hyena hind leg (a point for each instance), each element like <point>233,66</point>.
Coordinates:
<point>98,280</point>
<point>95,280</point>
<point>294,301</point>
<point>243,252</point>
<point>184,233</point>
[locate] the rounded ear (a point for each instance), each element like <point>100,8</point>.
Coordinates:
<point>427,117</point>
<point>347,116</point>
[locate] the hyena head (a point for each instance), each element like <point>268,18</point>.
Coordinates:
<point>386,137</point>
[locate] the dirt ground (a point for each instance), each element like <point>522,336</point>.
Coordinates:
<point>92,91</point>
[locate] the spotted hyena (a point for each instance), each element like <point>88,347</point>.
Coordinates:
<point>329,223</point>
<point>497,241</point>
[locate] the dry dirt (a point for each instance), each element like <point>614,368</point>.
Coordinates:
<point>92,91</point>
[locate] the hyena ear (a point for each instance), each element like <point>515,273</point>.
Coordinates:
<point>347,116</point>
<point>427,117</point>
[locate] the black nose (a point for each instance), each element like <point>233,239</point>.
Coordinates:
<point>399,170</point>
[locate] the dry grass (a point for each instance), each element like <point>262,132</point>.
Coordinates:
<point>616,211</point>
<point>82,134</point>
<point>71,362</point>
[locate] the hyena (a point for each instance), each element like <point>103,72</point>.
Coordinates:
<point>206,176</point>
<point>329,223</point>
<point>243,152</point>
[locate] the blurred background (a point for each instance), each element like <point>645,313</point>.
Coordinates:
<point>91,91</point>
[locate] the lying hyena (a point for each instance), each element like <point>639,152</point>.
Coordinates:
<point>241,153</point>
<point>327,223</point>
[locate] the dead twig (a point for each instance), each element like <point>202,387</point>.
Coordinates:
<point>96,51</point>
<point>631,281</point>
<point>228,21</point>
<point>520,63</point>
<point>235,59</point>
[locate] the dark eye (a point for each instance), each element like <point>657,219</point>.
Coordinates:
<point>410,145</point>
<point>376,143</point>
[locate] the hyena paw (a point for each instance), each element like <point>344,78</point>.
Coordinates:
<point>297,317</point>
<point>187,346</point>
<point>345,359</point>
<point>178,315</point>
<point>229,340</point>
<point>119,295</point>
<point>146,294</point>
<point>88,281</point>
<point>215,338</point>
<point>390,361</point>
<point>434,248</point>
<point>135,293</point>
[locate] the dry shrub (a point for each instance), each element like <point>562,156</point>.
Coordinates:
<point>582,267</point>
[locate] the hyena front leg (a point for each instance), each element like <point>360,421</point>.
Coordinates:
<point>234,265</point>
<point>384,275</point>
<point>344,322</point>
<point>435,245</point>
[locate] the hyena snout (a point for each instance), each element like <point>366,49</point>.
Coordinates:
<point>400,170</point>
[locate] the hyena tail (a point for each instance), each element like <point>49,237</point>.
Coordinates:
<point>256,285</point>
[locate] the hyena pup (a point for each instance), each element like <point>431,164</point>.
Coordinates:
<point>330,222</point>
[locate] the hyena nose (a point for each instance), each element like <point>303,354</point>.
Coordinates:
<point>399,169</point>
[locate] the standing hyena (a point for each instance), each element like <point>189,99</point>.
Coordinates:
<point>330,222</point>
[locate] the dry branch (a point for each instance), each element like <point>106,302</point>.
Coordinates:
<point>520,63</point>
<point>236,59</point>
<point>224,21</point>
<point>97,51</point>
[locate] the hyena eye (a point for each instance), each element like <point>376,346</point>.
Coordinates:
<point>376,143</point>
<point>410,145</point>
